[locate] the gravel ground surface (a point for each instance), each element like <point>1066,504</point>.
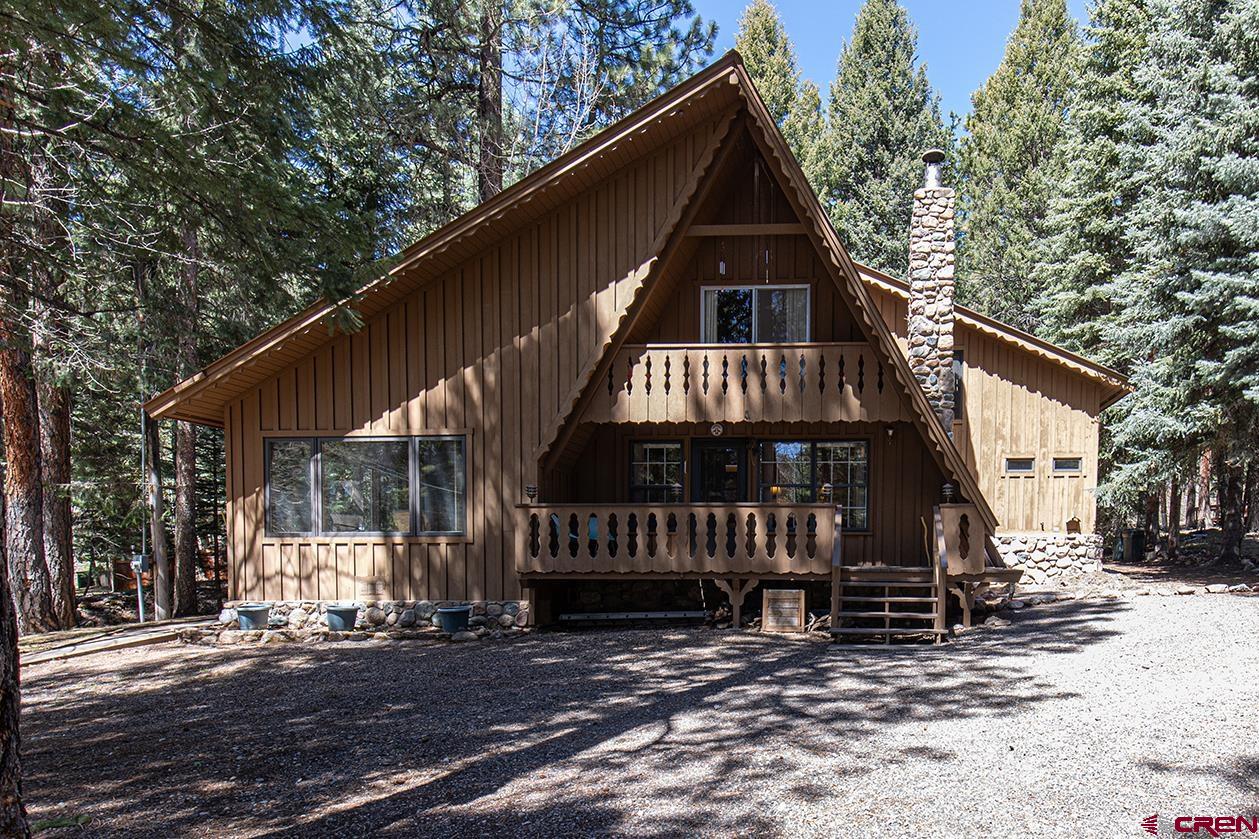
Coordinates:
<point>1079,719</point>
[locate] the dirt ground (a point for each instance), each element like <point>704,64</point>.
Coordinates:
<point>1080,718</point>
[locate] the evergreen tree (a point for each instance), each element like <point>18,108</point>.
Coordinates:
<point>1189,325</point>
<point>1010,158</point>
<point>883,115</point>
<point>1085,247</point>
<point>795,104</point>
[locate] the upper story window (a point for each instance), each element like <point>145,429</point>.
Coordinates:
<point>755,314</point>
<point>407,486</point>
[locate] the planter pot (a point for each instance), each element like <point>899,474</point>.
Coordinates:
<point>342,616</point>
<point>253,615</point>
<point>453,619</point>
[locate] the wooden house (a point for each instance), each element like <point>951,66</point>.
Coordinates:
<point>652,359</point>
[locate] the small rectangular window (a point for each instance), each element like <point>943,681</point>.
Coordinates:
<point>365,486</point>
<point>1068,465</point>
<point>655,472</point>
<point>289,487</point>
<point>758,314</point>
<point>1020,465</point>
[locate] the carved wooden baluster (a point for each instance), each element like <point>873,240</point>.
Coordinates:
<point>686,374</point>
<point>821,372</point>
<point>792,542</point>
<point>592,534</point>
<point>668,365</point>
<point>743,373</point>
<point>629,376</point>
<point>802,368</point>
<point>725,374</point>
<point>840,381</point>
<point>653,535</point>
<point>764,373</point>
<point>880,377</point>
<point>612,541</point>
<point>810,545</point>
<point>572,535</point>
<point>611,381</point>
<point>535,543</point>
<point>771,534</point>
<point>749,543</point>
<point>732,536</point>
<point>782,374</point>
<point>647,376</point>
<point>861,373</point>
<point>631,535</point>
<point>710,535</point>
<point>553,530</point>
<point>705,374</point>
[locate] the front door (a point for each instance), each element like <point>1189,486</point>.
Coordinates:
<point>720,472</point>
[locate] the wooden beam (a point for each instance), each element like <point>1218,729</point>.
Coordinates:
<point>785,229</point>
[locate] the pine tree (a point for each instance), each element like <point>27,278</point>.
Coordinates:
<point>1085,247</point>
<point>1010,158</point>
<point>795,104</point>
<point>882,116</point>
<point>1189,324</point>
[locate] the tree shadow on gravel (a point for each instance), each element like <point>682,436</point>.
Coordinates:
<point>556,734</point>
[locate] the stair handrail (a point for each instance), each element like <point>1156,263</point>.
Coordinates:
<point>837,562</point>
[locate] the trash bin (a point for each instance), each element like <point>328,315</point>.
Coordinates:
<point>1134,545</point>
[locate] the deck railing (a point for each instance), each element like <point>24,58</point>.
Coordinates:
<point>831,382</point>
<point>675,538</point>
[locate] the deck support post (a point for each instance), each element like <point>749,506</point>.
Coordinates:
<point>966,592</point>
<point>736,589</point>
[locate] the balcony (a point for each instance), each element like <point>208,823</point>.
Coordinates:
<point>693,539</point>
<point>831,382</point>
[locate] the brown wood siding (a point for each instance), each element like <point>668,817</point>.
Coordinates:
<point>1017,404</point>
<point>904,480</point>
<point>490,348</point>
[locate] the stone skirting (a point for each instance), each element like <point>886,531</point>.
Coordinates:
<point>292,620</point>
<point>1049,556</point>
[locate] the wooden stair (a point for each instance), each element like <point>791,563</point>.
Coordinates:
<point>874,602</point>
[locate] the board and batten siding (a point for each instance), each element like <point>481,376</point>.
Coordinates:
<point>1017,404</point>
<point>491,349</point>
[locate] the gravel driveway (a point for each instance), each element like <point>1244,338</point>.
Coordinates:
<point>1080,719</point>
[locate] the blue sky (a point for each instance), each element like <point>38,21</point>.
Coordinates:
<point>961,43</point>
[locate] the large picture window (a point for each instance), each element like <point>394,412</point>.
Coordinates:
<point>755,315</point>
<point>797,471</point>
<point>394,486</point>
<point>365,486</point>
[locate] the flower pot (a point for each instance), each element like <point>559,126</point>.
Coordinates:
<point>342,616</point>
<point>253,615</point>
<point>453,619</point>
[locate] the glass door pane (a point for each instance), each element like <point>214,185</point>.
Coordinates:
<point>719,473</point>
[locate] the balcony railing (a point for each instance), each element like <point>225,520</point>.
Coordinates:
<point>675,538</point>
<point>832,382</point>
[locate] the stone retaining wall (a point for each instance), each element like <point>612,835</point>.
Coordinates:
<point>1050,556</point>
<point>386,615</point>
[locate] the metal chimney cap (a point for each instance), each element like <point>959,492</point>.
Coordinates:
<point>933,158</point>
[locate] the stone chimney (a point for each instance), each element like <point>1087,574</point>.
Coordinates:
<point>931,254</point>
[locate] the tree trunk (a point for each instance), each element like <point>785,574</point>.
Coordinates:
<point>186,435</point>
<point>1230,494</point>
<point>162,591</point>
<point>490,102</point>
<point>1252,497</point>
<point>1204,490</point>
<point>1173,518</point>
<point>54,439</point>
<point>12,810</point>
<point>23,485</point>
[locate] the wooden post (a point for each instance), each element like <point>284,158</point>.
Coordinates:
<point>837,561</point>
<point>162,589</point>
<point>736,590</point>
<point>941,569</point>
